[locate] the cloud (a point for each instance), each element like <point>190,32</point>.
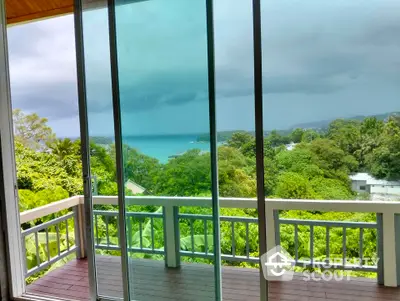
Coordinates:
<point>313,52</point>
<point>43,68</point>
<point>55,101</point>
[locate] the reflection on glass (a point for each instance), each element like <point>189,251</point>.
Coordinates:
<point>102,155</point>
<point>236,142</point>
<point>330,73</point>
<point>163,78</point>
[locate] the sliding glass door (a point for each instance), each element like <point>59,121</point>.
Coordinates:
<point>151,107</point>
<point>97,131</point>
<point>164,107</point>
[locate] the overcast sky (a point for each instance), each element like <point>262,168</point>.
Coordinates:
<point>322,60</point>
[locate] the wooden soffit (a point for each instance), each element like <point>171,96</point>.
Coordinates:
<point>19,11</point>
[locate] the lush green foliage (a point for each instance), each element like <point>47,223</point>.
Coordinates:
<point>318,167</point>
<point>32,131</point>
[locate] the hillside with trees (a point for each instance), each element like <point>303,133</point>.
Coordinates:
<point>317,167</point>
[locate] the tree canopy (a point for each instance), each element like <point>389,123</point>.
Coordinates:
<point>317,165</point>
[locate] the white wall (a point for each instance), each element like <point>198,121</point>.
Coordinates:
<point>356,186</point>
<point>389,189</point>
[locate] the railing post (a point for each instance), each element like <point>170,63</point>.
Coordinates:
<point>23,244</point>
<point>271,229</point>
<point>277,227</point>
<point>389,250</point>
<point>397,245</point>
<point>379,248</point>
<point>79,224</point>
<point>171,236</point>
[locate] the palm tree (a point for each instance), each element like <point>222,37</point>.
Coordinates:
<point>63,148</point>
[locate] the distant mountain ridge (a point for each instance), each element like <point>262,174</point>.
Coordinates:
<point>324,123</point>
<point>226,135</point>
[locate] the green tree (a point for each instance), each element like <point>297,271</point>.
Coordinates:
<point>102,165</point>
<point>186,175</point>
<point>277,139</point>
<point>240,139</point>
<point>371,138</point>
<point>331,189</point>
<point>271,172</point>
<point>299,160</point>
<point>330,158</point>
<point>41,170</point>
<point>141,169</point>
<point>309,135</point>
<point>244,142</point>
<point>297,135</point>
<point>68,152</point>
<point>371,126</point>
<point>190,174</point>
<point>291,185</point>
<point>235,173</point>
<point>64,147</point>
<point>384,161</point>
<point>32,131</point>
<point>346,134</point>
<point>30,200</point>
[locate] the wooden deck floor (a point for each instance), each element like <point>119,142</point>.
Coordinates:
<point>195,282</point>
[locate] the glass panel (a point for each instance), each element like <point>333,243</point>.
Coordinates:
<point>331,116</point>
<point>163,82</point>
<point>102,150</point>
<point>236,145</point>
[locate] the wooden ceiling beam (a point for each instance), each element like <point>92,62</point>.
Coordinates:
<point>40,15</point>
<point>20,11</point>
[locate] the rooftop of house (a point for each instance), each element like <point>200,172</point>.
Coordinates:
<point>361,176</point>
<point>134,187</point>
<point>370,180</point>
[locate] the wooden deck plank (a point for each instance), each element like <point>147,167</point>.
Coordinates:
<point>195,282</point>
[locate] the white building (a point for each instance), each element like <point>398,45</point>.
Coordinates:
<point>364,182</point>
<point>135,188</point>
<point>290,146</point>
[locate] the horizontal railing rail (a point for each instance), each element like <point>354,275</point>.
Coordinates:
<point>324,223</point>
<point>48,209</point>
<point>142,238</point>
<point>271,204</point>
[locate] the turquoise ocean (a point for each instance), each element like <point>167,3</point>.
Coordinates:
<point>162,147</point>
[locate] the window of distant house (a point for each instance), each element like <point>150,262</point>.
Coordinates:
<point>362,187</point>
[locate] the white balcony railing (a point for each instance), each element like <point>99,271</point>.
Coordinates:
<point>385,227</point>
